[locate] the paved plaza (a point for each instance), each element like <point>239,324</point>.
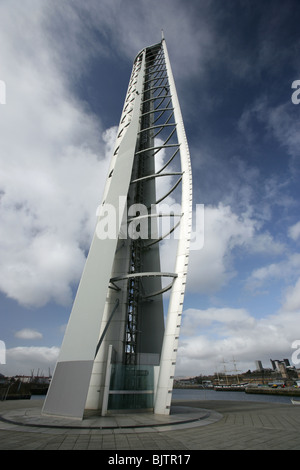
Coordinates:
<point>193,425</point>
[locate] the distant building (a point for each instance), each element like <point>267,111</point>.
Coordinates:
<point>282,369</point>
<point>279,365</point>
<point>258,365</point>
<point>276,364</point>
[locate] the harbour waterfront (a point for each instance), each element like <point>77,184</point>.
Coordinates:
<point>207,394</point>
<point>242,422</point>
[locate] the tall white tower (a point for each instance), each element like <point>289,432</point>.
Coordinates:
<point>118,351</point>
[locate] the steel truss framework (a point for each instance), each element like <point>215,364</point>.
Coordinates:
<point>157,122</point>
<point>125,303</point>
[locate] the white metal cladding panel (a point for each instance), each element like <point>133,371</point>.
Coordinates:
<point>67,393</point>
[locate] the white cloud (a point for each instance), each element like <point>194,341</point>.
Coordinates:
<point>22,360</point>
<point>285,270</point>
<point>195,319</point>
<point>212,336</point>
<point>285,127</point>
<point>264,243</point>
<point>294,231</point>
<point>280,122</point>
<point>292,298</point>
<point>28,333</point>
<point>212,267</point>
<point>226,236</point>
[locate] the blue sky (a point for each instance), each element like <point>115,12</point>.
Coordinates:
<point>66,67</point>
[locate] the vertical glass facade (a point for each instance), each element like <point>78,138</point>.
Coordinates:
<point>131,387</point>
